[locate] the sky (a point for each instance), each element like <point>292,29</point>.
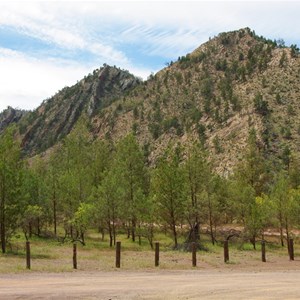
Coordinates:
<point>47,45</point>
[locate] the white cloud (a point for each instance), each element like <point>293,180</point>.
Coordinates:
<point>165,29</point>
<point>55,25</point>
<point>26,81</point>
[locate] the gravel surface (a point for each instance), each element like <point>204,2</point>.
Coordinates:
<point>158,284</point>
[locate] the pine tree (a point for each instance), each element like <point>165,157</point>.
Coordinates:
<point>10,185</point>
<point>169,194</point>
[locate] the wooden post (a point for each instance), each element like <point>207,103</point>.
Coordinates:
<point>118,254</point>
<point>291,248</point>
<point>226,251</point>
<point>156,254</point>
<point>28,255</point>
<point>194,255</point>
<point>74,256</point>
<point>263,251</point>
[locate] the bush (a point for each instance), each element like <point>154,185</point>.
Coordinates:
<point>260,105</point>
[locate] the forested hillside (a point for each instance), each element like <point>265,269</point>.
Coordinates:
<point>212,139</point>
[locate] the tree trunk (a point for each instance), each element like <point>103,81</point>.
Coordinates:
<point>281,229</point>
<point>287,235</point>
<point>281,236</point>
<point>211,231</point>
<point>2,233</point>
<point>110,233</point>
<point>30,229</point>
<point>133,223</point>
<point>175,235</point>
<point>2,222</point>
<point>253,241</point>
<point>54,217</point>
<point>102,234</point>
<point>38,227</point>
<point>114,232</point>
<point>150,236</point>
<point>194,234</point>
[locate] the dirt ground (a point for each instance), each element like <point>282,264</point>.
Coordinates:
<point>154,284</point>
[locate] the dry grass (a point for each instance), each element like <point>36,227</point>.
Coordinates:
<point>52,256</point>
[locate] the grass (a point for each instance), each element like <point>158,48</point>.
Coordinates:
<point>49,255</point>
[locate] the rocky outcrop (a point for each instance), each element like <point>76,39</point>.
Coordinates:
<point>55,118</point>
<point>10,116</point>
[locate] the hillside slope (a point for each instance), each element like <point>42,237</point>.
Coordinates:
<point>234,82</point>
<point>56,116</point>
<point>216,94</point>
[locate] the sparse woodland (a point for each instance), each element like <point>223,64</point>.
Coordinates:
<point>211,140</point>
<point>86,184</point>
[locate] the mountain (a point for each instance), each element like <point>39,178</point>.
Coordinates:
<point>10,116</point>
<point>56,116</point>
<point>231,84</point>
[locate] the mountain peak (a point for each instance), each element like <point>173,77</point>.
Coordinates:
<point>233,83</point>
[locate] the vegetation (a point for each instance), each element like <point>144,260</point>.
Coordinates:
<point>139,185</point>
<point>94,185</point>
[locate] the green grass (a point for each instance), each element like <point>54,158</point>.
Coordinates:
<point>50,255</point>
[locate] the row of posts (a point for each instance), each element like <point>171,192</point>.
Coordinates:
<point>156,258</point>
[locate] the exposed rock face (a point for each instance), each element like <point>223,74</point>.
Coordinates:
<point>10,116</point>
<point>55,118</point>
<point>228,86</point>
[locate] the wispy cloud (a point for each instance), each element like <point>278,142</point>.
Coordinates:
<point>26,81</point>
<point>56,28</point>
<point>74,37</point>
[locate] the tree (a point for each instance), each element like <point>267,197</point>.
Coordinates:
<point>75,176</point>
<point>10,185</point>
<point>81,220</point>
<point>294,50</point>
<point>261,106</point>
<point>286,203</point>
<point>53,182</point>
<point>34,195</point>
<point>30,218</point>
<point>197,175</point>
<point>108,198</point>
<point>168,190</point>
<point>132,178</point>
<point>216,203</point>
<point>252,169</point>
<point>258,218</point>
<point>248,182</point>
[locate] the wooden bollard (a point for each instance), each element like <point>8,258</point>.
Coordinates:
<point>118,254</point>
<point>194,254</point>
<point>291,248</point>
<point>263,251</point>
<point>74,256</point>
<point>156,260</point>
<point>226,251</point>
<point>28,266</point>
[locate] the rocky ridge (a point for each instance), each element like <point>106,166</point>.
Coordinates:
<point>235,82</point>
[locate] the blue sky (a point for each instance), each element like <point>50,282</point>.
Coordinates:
<point>47,45</point>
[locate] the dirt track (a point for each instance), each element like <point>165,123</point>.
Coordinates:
<point>193,284</point>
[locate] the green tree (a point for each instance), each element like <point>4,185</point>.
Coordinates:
<point>286,203</point>
<point>11,171</point>
<point>197,175</point>
<point>168,190</point>
<point>258,218</point>
<point>132,177</point>
<point>108,198</point>
<point>81,220</point>
<point>75,177</point>
<point>216,203</point>
<point>34,194</point>
<point>249,181</point>
<point>30,218</point>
